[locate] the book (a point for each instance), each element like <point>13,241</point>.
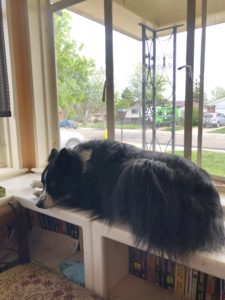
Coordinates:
<point>157,270</point>
<point>201,286</point>
<point>188,284</point>
<point>138,262</point>
<point>222,289</point>
<point>180,273</point>
<point>170,274</point>
<point>163,272</point>
<point>210,287</point>
<point>53,224</point>
<point>151,267</point>
<point>194,283</point>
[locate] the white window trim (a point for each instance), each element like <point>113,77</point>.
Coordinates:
<point>10,147</point>
<point>45,110</point>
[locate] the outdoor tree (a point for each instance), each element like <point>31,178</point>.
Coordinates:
<point>217,93</point>
<point>125,100</point>
<point>93,96</point>
<point>78,81</point>
<point>196,92</point>
<point>133,93</point>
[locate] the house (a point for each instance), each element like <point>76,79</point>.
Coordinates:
<point>217,106</point>
<point>134,113</point>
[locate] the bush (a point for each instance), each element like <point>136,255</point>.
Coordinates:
<point>195,117</point>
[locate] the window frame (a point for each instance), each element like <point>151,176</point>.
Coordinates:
<point>44,97</point>
<point>9,143</point>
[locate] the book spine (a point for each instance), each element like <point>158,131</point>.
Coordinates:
<point>210,287</point>
<point>222,289</point>
<point>201,286</point>
<point>194,284</point>
<point>170,274</point>
<point>151,267</point>
<point>157,270</point>
<point>188,283</point>
<point>138,262</point>
<point>131,260</point>
<point>180,273</point>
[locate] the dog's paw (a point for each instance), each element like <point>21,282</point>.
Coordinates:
<point>36,184</point>
<point>37,192</point>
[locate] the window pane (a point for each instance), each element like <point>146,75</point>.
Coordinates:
<point>213,157</point>
<point>80,63</point>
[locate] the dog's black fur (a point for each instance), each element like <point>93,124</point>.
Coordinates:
<point>168,202</point>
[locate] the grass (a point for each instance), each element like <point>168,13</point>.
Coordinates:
<point>218,130</point>
<point>212,161</point>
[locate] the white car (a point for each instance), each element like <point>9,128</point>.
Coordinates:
<point>69,139</point>
<point>213,119</point>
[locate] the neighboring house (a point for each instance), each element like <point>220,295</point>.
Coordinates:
<point>217,106</point>
<point>97,117</point>
<point>133,114</point>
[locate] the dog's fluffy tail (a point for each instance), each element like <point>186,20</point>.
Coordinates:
<point>175,211</point>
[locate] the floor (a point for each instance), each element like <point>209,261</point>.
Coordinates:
<point>51,248</point>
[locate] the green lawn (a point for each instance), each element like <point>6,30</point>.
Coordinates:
<point>218,130</point>
<point>212,161</point>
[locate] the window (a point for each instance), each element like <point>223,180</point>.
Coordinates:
<point>134,111</point>
<point>27,137</point>
<point>9,144</point>
<point>40,126</point>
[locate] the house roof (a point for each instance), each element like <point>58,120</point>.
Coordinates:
<point>217,101</point>
<point>157,14</point>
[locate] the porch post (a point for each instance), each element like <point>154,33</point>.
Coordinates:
<point>109,69</point>
<point>189,78</point>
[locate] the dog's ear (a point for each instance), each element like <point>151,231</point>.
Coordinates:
<point>68,161</point>
<point>54,152</point>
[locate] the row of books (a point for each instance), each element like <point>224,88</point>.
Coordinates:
<point>50,223</point>
<point>185,282</point>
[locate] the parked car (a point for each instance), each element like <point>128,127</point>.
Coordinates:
<point>213,119</point>
<point>69,139</point>
<point>68,124</point>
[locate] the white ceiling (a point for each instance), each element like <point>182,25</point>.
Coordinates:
<point>157,14</point>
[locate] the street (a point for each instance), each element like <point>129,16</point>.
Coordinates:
<point>211,141</point>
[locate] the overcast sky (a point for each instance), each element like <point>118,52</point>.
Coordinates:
<point>127,53</point>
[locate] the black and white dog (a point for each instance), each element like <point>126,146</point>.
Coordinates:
<point>168,202</point>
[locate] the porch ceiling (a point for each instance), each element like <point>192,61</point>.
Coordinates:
<point>157,14</point>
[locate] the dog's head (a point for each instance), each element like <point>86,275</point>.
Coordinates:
<point>61,178</point>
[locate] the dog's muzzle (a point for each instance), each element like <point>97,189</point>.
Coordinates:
<point>40,203</point>
<point>45,201</point>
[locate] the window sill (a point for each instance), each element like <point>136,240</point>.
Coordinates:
<point>37,170</point>
<point>6,173</point>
